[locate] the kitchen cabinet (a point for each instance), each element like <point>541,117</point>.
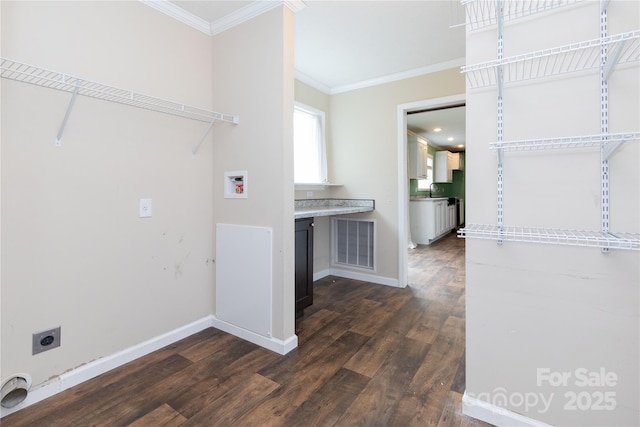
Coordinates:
<point>303,264</point>
<point>430,219</point>
<point>446,163</point>
<point>418,155</point>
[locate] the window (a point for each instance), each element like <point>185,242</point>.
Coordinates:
<point>425,184</point>
<point>309,152</point>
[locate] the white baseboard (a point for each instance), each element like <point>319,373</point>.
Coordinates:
<point>274,344</point>
<point>321,274</point>
<point>496,415</point>
<point>356,275</point>
<point>107,363</point>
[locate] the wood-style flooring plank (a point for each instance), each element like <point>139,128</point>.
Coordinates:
<point>374,353</point>
<point>215,378</point>
<point>232,405</point>
<point>300,384</point>
<point>426,396</point>
<point>158,390</point>
<point>163,416</point>
<point>375,404</point>
<point>327,404</point>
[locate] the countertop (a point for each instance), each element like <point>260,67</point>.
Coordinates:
<point>307,208</point>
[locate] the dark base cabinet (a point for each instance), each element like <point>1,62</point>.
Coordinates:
<point>304,264</point>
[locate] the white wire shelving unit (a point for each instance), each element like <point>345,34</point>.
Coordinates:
<point>478,14</point>
<point>602,54</point>
<point>610,142</point>
<point>26,73</point>
<point>554,236</point>
<point>482,13</point>
<point>624,48</point>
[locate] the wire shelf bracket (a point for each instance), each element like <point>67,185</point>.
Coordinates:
<point>604,240</point>
<point>58,141</point>
<point>204,136</point>
<point>26,73</point>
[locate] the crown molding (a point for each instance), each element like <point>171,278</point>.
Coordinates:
<point>231,20</point>
<point>311,82</point>
<point>295,5</point>
<point>250,11</point>
<point>459,62</point>
<point>178,13</point>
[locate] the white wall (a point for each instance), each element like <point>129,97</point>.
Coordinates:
<point>253,77</point>
<point>364,151</point>
<point>532,307</point>
<point>75,253</point>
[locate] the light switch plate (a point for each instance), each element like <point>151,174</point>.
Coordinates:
<point>146,206</point>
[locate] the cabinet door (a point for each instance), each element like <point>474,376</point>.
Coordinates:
<point>420,220</point>
<point>442,167</point>
<point>304,264</point>
<point>439,219</point>
<point>417,160</point>
<point>451,223</point>
<point>453,163</point>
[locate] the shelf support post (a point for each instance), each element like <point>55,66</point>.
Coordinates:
<point>204,136</point>
<point>58,141</point>
<point>500,129</point>
<point>604,122</point>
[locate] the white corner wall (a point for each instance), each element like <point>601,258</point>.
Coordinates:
<point>553,331</point>
<point>253,78</point>
<point>75,253</point>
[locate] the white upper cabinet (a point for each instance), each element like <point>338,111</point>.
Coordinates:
<point>418,155</point>
<point>446,163</point>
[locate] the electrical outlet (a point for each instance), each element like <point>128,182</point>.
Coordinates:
<point>46,340</point>
<point>146,206</point>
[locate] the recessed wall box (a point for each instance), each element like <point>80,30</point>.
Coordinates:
<point>235,185</point>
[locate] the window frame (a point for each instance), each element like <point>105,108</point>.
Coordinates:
<point>323,144</point>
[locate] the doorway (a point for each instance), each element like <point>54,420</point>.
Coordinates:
<point>403,181</point>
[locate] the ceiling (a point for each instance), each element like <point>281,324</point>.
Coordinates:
<point>345,45</point>
<point>450,121</point>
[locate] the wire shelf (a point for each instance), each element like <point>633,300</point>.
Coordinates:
<point>564,142</point>
<point>18,71</point>
<point>482,13</point>
<point>552,236</point>
<point>624,48</point>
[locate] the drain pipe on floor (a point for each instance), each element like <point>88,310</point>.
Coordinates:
<point>14,390</point>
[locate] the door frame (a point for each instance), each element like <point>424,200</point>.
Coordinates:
<point>403,178</point>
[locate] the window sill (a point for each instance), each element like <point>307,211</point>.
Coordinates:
<point>314,186</point>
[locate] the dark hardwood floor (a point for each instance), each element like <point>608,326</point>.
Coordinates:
<point>368,355</point>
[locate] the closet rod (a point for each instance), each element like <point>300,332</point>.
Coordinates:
<point>26,73</point>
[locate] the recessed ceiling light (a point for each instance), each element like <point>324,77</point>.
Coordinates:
<point>460,145</point>
<point>450,139</point>
<point>437,129</point>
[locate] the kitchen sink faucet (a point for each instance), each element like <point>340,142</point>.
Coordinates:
<point>431,188</point>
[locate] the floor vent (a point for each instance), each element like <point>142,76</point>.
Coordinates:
<point>353,242</point>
